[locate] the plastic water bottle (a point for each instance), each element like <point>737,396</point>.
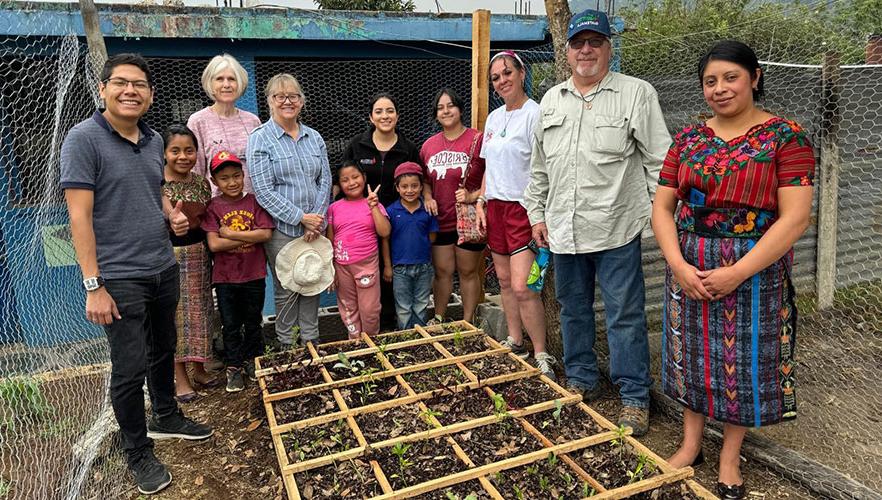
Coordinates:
<point>536,279</point>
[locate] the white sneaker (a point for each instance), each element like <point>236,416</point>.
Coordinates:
<point>545,362</point>
<point>517,349</point>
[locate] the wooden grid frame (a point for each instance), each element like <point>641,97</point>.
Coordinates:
<point>433,336</point>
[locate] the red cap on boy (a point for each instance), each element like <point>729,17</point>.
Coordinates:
<point>222,159</point>
<point>408,168</point>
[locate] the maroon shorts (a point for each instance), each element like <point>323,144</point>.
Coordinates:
<point>508,228</point>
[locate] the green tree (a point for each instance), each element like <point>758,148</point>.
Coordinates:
<point>373,5</point>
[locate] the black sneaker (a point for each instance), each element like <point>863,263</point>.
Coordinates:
<point>249,371</point>
<point>235,382</point>
<point>177,426</point>
<point>150,475</point>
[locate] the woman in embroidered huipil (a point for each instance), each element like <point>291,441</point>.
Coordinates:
<point>741,187</point>
<point>222,126</point>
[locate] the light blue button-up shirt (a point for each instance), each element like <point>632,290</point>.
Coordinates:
<point>291,177</point>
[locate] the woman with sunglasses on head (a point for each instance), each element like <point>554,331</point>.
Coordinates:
<point>292,181</point>
<point>222,126</point>
<point>507,148</point>
<point>378,151</point>
<point>741,186</point>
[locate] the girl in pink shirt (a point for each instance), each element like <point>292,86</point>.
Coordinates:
<point>354,223</point>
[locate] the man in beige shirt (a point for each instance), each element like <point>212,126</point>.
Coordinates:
<point>599,147</point>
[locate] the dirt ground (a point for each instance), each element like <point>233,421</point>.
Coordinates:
<point>238,462</point>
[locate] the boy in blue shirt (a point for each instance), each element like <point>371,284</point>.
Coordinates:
<point>408,263</point>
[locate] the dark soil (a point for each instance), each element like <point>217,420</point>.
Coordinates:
<point>371,391</point>
<point>284,358</point>
<point>466,346</point>
<point>304,406</point>
<point>319,440</point>
<point>435,378</point>
<point>347,479</point>
<point>675,491</point>
<point>570,424</point>
<point>610,464</point>
<point>425,460</point>
<point>460,406</point>
<point>346,346</point>
<point>548,478</point>
<point>525,392</point>
<point>492,443</point>
<point>358,366</point>
<point>394,338</point>
<point>391,423</point>
<point>459,491</point>
<point>415,355</point>
<point>494,366</point>
<point>294,378</point>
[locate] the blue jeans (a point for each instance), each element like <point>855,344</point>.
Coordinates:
<point>411,286</point>
<point>240,306</point>
<point>142,345</point>
<point>620,274</point>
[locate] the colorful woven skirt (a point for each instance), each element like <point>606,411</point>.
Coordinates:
<point>196,319</point>
<point>731,359</point>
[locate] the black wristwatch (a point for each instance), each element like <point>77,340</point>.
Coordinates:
<point>93,283</point>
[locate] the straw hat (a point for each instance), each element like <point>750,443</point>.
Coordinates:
<point>305,267</point>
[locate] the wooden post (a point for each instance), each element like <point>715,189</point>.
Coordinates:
<point>94,38</point>
<point>480,67</point>
<point>828,197</point>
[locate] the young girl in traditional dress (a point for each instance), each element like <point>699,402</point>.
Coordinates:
<point>354,223</point>
<point>195,319</point>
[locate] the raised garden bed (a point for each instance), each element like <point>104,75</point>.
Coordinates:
<point>398,417</point>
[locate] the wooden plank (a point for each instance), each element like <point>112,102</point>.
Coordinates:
<point>494,467</point>
<point>353,426</point>
<point>700,491</point>
<point>381,477</point>
<point>645,485</point>
<point>490,489</point>
<point>480,67</point>
<point>312,463</point>
<point>291,487</point>
<point>275,396</point>
<point>281,453</point>
<point>600,419</point>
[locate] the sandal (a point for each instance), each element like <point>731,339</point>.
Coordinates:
<point>187,398</point>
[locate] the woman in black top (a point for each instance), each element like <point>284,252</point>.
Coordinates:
<point>379,150</point>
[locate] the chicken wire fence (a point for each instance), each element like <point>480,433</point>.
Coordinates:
<point>54,413</point>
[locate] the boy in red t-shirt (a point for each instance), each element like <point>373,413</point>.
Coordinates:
<point>237,227</point>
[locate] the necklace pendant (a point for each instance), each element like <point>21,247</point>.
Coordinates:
<point>588,105</point>
<point>502,134</point>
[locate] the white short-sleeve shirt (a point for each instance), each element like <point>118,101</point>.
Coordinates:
<point>508,154</point>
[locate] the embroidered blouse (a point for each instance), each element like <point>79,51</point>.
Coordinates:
<point>743,172</point>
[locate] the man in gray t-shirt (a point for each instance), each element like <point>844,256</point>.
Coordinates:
<point>111,173</point>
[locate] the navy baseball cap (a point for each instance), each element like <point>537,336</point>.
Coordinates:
<point>589,20</point>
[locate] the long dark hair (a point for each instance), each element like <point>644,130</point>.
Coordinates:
<point>736,52</point>
<point>178,129</point>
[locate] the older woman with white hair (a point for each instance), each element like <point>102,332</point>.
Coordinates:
<point>292,181</point>
<point>222,126</point>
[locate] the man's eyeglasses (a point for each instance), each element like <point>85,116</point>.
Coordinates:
<point>122,84</point>
<point>578,43</point>
<point>282,98</point>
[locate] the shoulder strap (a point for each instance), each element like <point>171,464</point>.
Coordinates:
<point>465,174</point>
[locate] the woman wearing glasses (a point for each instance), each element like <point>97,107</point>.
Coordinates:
<point>379,150</point>
<point>222,126</point>
<point>292,181</point>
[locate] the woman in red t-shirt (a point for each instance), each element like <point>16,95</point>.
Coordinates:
<point>445,156</point>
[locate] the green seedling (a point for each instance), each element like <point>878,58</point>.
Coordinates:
<point>518,493</point>
<point>24,395</point>
<point>532,469</point>
<point>619,441</point>
<point>558,406</point>
<point>295,335</point>
<point>296,448</point>
<point>353,367</point>
<point>399,450</point>
<point>500,407</point>
<point>458,340</point>
<point>5,487</point>
<point>588,490</point>
<point>552,460</point>
<point>543,483</point>
<point>645,467</point>
<point>427,415</point>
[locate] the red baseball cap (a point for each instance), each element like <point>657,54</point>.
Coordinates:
<point>223,159</point>
<point>408,168</point>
